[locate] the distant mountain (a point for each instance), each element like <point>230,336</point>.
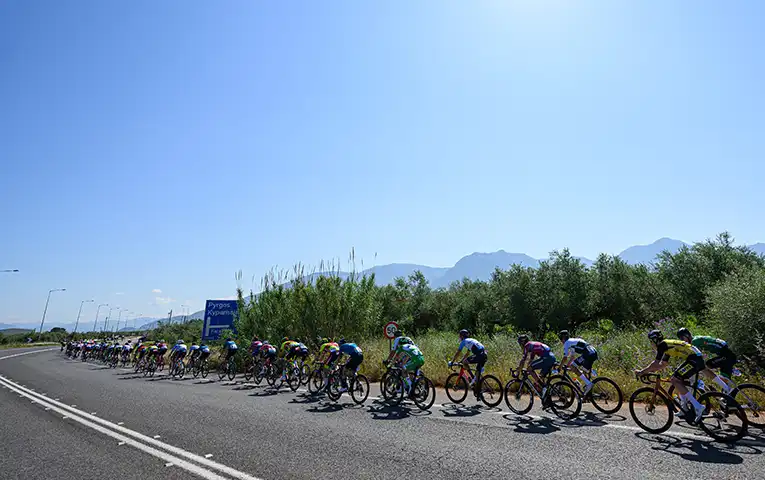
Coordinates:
<point>646,254</point>
<point>479,266</point>
<point>758,248</point>
<point>13,331</point>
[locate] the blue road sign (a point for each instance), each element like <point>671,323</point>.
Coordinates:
<point>219,316</point>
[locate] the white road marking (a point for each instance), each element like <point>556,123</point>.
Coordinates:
<point>119,444</point>
<point>120,423</point>
<point>168,464</point>
<point>156,436</point>
<point>208,455</point>
<point>203,467</point>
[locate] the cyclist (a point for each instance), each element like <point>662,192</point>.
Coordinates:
<point>328,352</point>
<point>693,363</point>
<point>355,357</point>
<point>204,351</point>
<point>229,348</point>
<point>255,346</point>
<point>193,353</point>
<point>545,359</point>
<point>587,356</point>
<point>268,354</point>
<point>476,353</point>
<point>409,357</point>
<point>287,353</point>
<point>126,350</point>
<point>723,358</point>
<point>178,351</point>
<point>400,339</point>
<point>161,351</point>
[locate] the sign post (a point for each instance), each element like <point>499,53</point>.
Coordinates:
<point>219,316</point>
<point>389,331</point>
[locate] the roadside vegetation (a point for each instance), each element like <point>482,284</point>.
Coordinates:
<point>713,287</point>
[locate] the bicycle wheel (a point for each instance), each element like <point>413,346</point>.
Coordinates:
<point>751,397</point>
<point>393,388</point>
<point>195,369</point>
<point>231,369</point>
<point>293,378</point>
<point>222,370</point>
<point>490,391</point>
<point>360,389</point>
<point>423,393</point>
<point>564,400</point>
<point>456,388</point>
<point>333,387</point>
<point>249,368</point>
<point>305,372</point>
<point>316,381</point>
<point>723,419</point>
<point>606,396</point>
<point>259,374</point>
<point>204,369</point>
<point>655,409</point>
<point>518,396</point>
<point>180,370</point>
<point>271,375</point>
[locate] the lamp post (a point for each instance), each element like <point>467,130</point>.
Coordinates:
<point>108,317</point>
<point>117,328</point>
<point>185,307</point>
<point>46,306</point>
<point>95,324</point>
<point>78,313</point>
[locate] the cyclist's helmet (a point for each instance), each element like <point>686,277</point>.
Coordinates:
<point>655,336</point>
<point>179,341</point>
<point>564,335</point>
<point>255,338</point>
<point>284,339</point>
<point>398,333</point>
<point>341,341</point>
<point>324,340</point>
<point>464,333</point>
<point>684,333</point>
<point>523,339</point>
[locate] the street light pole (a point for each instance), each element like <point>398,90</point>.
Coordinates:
<point>185,307</point>
<point>117,328</point>
<point>108,317</point>
<point>95,324</point>
<point>46,306</point>
<point>78,313</point>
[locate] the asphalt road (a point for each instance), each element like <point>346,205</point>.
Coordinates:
<point>212,429</point>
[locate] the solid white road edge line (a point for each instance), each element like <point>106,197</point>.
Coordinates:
<point>26,353</point>
<point>195,469</point>
<point>70,411</point>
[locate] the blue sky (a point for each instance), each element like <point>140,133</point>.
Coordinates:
<point>165,145</point>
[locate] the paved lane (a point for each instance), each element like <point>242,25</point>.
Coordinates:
<point>285,435</point>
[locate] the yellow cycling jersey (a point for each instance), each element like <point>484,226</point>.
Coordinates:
<point>287,346</point>
<point>675,348</point>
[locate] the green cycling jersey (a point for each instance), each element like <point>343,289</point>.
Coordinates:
<point>710,344</point>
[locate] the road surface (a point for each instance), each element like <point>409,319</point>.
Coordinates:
<point>93,420</point>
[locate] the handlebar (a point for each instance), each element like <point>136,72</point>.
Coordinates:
<point>648,378</point>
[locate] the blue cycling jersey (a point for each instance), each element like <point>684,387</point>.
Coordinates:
<point>204,349</point>
<point>476,347</point>
<point>231,345</point>
<point>350,349</point>
<point>180,348</point>
<point>194,347</point>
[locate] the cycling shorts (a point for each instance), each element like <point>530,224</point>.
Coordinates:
<point>725,362</point>
<point>690,367</point>
<point>479,360</point>
<point>544,364</point>
<point>354,362</point>
<point>585,361</point>
<point>414,363</point>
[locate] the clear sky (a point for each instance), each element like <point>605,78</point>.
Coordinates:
<point>152,145</point>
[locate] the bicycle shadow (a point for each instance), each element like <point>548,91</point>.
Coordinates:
<point>457,410</point>
<point>307,398</point>
<point>699,450</point>
<point>204,381</point>
<point>525,424</point>
<point>381,410</point>
<point>325,407</point>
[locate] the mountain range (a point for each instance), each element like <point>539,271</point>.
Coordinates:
<point>476,266</point>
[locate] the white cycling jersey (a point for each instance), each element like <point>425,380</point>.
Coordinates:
<point>579,346</point>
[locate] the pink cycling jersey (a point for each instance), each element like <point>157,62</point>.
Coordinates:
<point>537,349</point>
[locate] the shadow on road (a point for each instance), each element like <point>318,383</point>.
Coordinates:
<point>699,450</point>
<point>455,410</point>
<point>306,398</point>
<point>524,424</point>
